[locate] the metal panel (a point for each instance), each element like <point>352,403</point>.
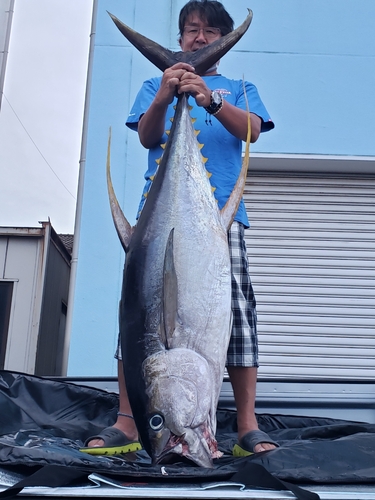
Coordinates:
<point>24,266</point>
<point>312,262</point>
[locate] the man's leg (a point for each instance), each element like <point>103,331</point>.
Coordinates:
<point>124,424</point>
<point>243,380</point>
<point>242,357</point>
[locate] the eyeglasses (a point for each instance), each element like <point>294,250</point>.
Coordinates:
<point>209,32</point>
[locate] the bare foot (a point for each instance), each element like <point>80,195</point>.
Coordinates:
<point>264,447</point>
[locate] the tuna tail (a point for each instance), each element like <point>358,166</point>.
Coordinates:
<point>123,228</point>
<point>201,60</point>
<point>230,208</point>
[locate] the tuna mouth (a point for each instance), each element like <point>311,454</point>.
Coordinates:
<point>177,451</point>
<point>174,451</point>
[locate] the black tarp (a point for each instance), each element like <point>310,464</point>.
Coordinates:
<point>44,423</point>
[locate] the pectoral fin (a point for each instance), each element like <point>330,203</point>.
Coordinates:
<point>169,314</point>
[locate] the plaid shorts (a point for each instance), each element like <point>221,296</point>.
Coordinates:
<point>243,344</point>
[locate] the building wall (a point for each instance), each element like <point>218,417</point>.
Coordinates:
<point>38,265</point>
<point>51,339</point>
<point>22,264</point>
<point>313,65</point>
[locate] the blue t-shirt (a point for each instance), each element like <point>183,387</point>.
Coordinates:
<point>222,150</point>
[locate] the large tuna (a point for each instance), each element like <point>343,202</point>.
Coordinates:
<point>175,310</point>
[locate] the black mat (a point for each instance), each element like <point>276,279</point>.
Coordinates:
<point>43,423</point>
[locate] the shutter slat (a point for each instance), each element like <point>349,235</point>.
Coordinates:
<point>312,262</point>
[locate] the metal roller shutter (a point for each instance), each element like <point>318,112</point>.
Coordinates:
<point>312,261</point>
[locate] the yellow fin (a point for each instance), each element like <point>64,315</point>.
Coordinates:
<point>152,177</point>
<point>209,174</point>
<point>167,132</point>
<point>193,120</point>
<point>213,189</point>
<point>230,208</point>
<point>163,145</point>
<point>204,159</point>
<point>196,132</point>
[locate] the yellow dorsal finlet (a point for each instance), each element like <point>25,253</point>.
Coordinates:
<point>204,159</point>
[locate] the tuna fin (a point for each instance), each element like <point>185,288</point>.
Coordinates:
<point>230,208</point>
<point>201,60</point>
<point>169,293</point>
<point>123,228</point>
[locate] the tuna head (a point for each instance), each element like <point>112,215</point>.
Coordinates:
<point>180,419</point>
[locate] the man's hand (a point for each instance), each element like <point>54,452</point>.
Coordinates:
<point>170,82</point>
<point>195,86</point>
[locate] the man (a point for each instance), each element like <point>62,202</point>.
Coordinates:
<point>219,106</point>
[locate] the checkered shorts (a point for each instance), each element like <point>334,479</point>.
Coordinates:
<point>243,344</point>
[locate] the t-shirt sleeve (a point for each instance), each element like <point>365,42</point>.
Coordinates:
<point>255,105</point>
<point>142,102</point>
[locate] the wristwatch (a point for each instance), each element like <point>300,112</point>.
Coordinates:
<point>216,103</point>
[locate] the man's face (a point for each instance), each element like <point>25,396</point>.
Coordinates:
<point>197,34</point>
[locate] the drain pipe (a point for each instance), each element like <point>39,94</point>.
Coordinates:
<point>5,48</point>
<point>81,177</point>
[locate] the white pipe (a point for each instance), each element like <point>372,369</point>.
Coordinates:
<point>6,47</point>
<point>81,177</point>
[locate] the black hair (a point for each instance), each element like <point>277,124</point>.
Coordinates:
<point>212,11</point>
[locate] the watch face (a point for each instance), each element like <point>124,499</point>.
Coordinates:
<point>216,98</point>
<point>216,103</point>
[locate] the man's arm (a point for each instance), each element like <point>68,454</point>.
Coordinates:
<point>235,121</point>
<point>151,124</point>
<point>181,78</point>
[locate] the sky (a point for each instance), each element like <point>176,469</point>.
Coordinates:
<point>41,114</point>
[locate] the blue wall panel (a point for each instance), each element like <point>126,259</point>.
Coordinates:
<point>313,63</point>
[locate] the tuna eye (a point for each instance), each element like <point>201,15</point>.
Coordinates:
<point>156,422</point>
